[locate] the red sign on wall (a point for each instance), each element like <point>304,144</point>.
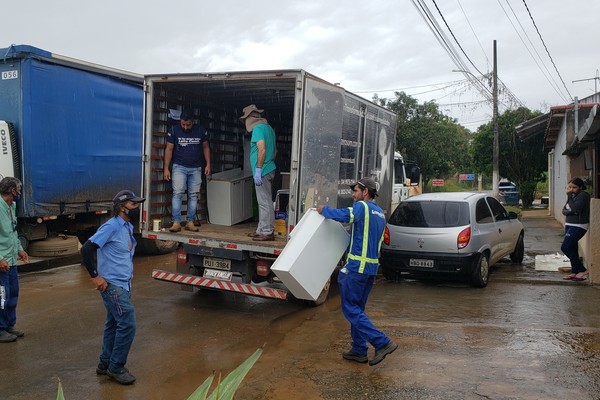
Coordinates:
<point>437,182</point>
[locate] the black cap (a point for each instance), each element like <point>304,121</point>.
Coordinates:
<point>366,183</point>
<point>125,195</point>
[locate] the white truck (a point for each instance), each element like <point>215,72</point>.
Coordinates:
<point>327,138</point>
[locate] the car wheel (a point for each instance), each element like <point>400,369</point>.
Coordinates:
<point>481,274</point>
<point>519,253</point>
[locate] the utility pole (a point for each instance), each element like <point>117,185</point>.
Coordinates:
<point>496,151</point>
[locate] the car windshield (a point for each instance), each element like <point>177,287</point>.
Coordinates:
<point>431,214</point>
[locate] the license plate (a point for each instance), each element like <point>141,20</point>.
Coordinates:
<point>216,274</point>
<point>417,262</point>
<point>217,263</point>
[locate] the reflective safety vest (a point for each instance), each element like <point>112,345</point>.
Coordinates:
<point>368,224</point>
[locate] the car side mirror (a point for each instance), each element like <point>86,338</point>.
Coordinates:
<point>512,215</point>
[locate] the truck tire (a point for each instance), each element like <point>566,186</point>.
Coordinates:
<point>54,246</point>
<point>155,246</point>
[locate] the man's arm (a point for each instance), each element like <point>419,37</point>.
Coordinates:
<point>167,163</point>
<point>206,150</point>
<point>262,153</point>
<point>88,252</point>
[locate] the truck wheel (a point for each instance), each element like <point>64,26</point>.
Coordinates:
<point>24,242</point>
<point>155,246</point>
<point>54,246</point>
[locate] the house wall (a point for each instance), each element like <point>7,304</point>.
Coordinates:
<point>560,170</point>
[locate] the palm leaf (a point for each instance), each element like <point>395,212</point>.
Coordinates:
<point>202,391</point>
<point>229,385</point>
<point>60,395</point>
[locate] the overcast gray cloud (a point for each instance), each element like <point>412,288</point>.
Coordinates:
<point>378,46</point>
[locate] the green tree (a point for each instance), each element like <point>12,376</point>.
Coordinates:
<point>435,141</point>
<point>522,162</point>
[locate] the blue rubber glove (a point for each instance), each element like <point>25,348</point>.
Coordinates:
<point>258,176</point>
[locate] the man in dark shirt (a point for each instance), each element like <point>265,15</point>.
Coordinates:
<point>186,144</point>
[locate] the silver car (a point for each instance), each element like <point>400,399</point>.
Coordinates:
<point>459,233</point>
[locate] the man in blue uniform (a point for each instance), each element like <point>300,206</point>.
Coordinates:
<point>358,275</point>
<point>114,246</point>
<point>186,144</point>
<point>10,252</point>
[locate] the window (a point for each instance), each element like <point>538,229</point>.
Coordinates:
<point>498,211</point>
<point>431,214</point>
<point>483,214</point>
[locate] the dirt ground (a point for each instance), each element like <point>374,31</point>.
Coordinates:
<point>528,335</point>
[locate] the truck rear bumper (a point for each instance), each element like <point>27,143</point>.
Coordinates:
<point>214,284</point>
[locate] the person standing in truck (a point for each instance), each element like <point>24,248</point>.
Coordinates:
<point>262,161</point>
<point>108,258</point>
<point>10,251</point>
<point>187,143</point>
<point>357,277</point>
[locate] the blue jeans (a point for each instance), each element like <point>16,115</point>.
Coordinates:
<point>182,177</point>
<point>570,247</point>
<point>9,295</point>
<point>119,327</point>
<point>354,291</point>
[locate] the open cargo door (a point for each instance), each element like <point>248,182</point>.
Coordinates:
<point>320,140</point>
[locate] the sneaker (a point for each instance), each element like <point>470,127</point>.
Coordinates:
<point>102,368</point>
<point>123,377</point>
<point>176,227</point>
<point>352,356</point>
<point>6,337</point>
<point>15,332</point>
<point>191,227</point>
<point>382,352</point>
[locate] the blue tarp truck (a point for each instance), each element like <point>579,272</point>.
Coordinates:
<point>71,131</point>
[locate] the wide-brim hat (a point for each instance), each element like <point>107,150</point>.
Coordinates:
<point>249,110</point>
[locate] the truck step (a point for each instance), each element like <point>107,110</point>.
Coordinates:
<point>215,284</point>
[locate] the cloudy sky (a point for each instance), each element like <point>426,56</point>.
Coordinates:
<point>376,46</point>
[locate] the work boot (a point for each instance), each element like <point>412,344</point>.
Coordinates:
<point>6,337</point>
<point>15,332</point>
<point>264,238</point>
<point>382,352</point>
<point>102,368</point>
<point>123,377</point>
<point>352,356</point>
<point>176,227</point>
<point>191,227</point>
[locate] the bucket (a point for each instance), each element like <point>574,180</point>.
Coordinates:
<point>156,225</point>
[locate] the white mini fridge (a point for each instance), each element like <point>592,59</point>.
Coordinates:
<point>229,197</point>
<point>309,258</point>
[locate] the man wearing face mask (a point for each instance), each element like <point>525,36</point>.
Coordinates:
<point>187,143</point>
<point>10,252</point>
<point>114,246</point>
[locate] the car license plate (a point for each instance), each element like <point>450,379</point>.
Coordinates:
<point>217,263</point>
<point>216,274</point>
<point>417,262</point>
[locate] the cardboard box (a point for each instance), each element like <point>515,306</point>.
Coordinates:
<point>315,247</point>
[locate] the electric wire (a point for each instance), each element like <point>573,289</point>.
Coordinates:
<point>547,51</point>
<point>553,84</point>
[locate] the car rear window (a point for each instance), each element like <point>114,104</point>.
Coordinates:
<point>431,214</point>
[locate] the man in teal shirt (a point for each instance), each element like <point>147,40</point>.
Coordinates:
<point>10,252</point>
<point>262,161</point>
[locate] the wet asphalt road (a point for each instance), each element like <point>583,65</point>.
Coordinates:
<point>519,338</point>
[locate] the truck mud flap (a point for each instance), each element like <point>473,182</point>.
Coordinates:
<point>214,284</point>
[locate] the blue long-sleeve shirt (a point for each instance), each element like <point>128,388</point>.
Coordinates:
<point>368,224</point>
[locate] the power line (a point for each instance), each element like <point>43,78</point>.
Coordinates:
<point>547,51</point>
